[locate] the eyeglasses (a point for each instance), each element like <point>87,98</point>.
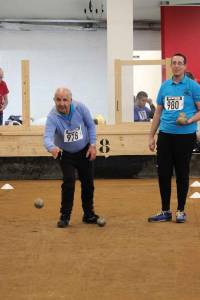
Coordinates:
<point>178,63</point>
<point>64,99</point>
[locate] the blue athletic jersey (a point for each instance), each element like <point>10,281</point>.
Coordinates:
<point>176,98</point>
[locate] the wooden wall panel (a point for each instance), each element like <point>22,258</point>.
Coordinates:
<point>121,139</point>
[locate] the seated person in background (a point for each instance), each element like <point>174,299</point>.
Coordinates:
<point>141,112</point>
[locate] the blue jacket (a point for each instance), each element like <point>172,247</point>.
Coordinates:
<point>70,132</point>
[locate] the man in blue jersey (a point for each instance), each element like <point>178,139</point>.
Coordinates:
<point>175,139</point>
<point>70,137</point>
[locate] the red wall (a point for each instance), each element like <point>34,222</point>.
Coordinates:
<point>180,28</point>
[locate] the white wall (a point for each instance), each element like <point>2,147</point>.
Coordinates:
<point>147,78</point>
<point>76,59</point>
<point>147,40</point>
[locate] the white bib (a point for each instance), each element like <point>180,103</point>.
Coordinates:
<point>142,115</point>
<point>73,135</point>
<point>174,103</point>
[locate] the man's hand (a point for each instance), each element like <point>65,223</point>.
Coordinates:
<point>150,101</point>
<point>91,153</point>
<point>55,151</point>
<point>152,144</point>
<point>190,121</point>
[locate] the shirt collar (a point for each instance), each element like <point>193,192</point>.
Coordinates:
<point>183,80</point>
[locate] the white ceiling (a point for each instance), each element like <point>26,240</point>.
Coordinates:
<point>74,9</point>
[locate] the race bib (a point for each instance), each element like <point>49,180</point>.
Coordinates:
<point>142,115</point>
<point>174,103</point>
<point>73,135</point>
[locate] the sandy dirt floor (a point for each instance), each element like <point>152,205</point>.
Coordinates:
<point>128,259</point>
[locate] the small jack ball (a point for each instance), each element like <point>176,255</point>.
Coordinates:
<point>101,222</point>
<point>38,203</point>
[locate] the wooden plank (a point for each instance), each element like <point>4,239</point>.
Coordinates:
<point>107,145</point>
<point>143,62</point>
<point>120,139</point>
<point>118,92</point>
<point>122,144</point>
<point>168,68</point>
<point>25,93</point>
<point>21,130</point>
<point>123,128</point>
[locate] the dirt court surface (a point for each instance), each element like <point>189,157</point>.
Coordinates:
<point>128,259</point>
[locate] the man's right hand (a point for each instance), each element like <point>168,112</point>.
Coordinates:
<point>152,144</point>
<point>55,151</point>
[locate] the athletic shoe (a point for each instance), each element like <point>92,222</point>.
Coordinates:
<point>90,219</point>
<point>163,216</point>
<point>180,216</point>
<point>63,221</point>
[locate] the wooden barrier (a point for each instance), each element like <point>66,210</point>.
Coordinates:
<point>118,139</point>
<point>118,79</point>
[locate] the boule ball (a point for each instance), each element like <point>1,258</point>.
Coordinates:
<point>182,119</point>
<point>38,203</point>
<point>101,222</point>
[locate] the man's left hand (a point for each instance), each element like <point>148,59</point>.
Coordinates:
<point>91,153</point>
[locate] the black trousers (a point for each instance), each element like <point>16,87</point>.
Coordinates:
<point>174,152</point>
<point>1,118</point>
<point>70,162</point>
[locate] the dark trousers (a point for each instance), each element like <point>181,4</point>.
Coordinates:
<point>174,151</point>
<point>70,162</point>
<point>1,118</point>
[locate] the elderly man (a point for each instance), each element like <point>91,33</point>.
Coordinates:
<point>3,96</point>
<point>70,137</point>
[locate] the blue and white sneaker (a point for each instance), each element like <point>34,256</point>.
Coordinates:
<point>162,216</point>
<point>180,216</point>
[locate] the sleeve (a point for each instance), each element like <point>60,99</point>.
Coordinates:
<point>49,133</point>
<point>6,91</point>
<point>89,123</point>
<point>160,97</point>
<point>196,91</point>
<point>152,111</point>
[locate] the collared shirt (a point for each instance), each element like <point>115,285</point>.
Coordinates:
<point>176,98</point>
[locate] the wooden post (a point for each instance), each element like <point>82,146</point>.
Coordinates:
<point>168,68</point>
<point>118,92</point>
<point>25,93</point>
